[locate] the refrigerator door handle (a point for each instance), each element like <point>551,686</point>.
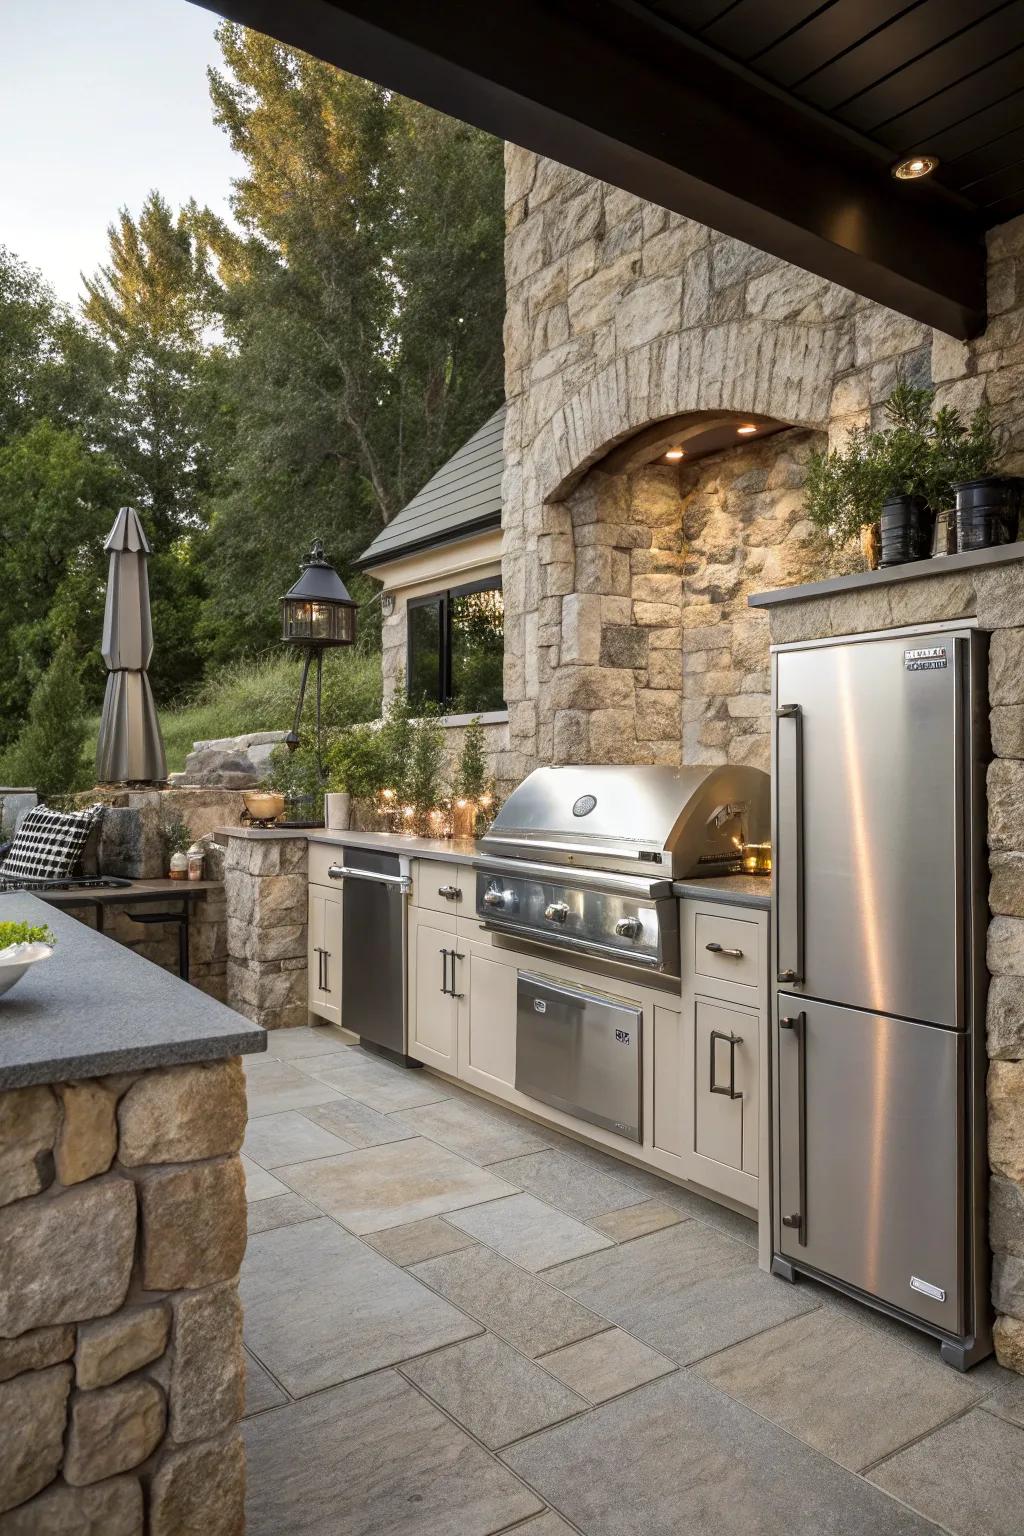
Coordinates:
<point>789,853</point>
<point>796,1024</point>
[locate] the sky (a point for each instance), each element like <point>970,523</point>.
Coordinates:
<point>101,101</point>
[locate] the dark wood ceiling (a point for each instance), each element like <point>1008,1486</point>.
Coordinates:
<point>942,77</point>
<point>776,121</point>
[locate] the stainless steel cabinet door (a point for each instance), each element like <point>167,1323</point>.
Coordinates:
<point>869,824</point>
<point>869,1185</point>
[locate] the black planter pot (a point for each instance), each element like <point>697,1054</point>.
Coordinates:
<point>987,512</point>
<point>906,530</point>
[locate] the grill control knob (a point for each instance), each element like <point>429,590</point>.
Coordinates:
<point>629,927</point>
<point>499,900</point>
<point>556,911</point>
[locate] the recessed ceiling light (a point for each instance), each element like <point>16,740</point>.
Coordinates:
<point>675,453</point>
<point>913,168</point>
<point>746,430</point>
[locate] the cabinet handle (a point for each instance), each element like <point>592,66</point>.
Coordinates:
<point>449,892</point>
<point>455,956</point>
<point>734,1040</point>
<point>718,949</point>
<point>325,955</point>
<point>444,971</point>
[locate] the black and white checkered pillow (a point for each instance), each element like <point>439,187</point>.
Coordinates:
<point>48,844</point>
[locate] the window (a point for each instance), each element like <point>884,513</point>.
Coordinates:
<point>457,648</point>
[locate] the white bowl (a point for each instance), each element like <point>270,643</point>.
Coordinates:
<point>15,961</point>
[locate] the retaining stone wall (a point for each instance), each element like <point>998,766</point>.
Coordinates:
<point>122,1227</point>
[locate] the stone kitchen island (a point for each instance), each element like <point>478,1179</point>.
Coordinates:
<point>122,1227</point>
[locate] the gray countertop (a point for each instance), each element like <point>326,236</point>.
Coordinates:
<point>914,570</point>
<point>735,890</point>
<point>96,1007</point>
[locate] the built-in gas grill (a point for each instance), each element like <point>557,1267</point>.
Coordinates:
<point>583,858</point>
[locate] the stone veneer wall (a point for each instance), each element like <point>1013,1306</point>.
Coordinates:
<point>620,314</point>
<point>659,659</point>
<point>122,1227</point>
<point>996,598</point>
<point>267,894</point>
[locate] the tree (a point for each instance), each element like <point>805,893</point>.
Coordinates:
<point>48,752</point>
<point>150,304</point>
<point>362,298</point>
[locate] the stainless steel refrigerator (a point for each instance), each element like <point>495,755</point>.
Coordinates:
<point>879,917</point>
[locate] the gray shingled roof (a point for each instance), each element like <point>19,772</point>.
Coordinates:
<point>464,496</point>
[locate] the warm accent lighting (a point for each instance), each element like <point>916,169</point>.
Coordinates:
<point>914,168</point>
<point>675,454</point>
<point>746,430</point>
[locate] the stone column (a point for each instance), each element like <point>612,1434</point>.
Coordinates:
<point>122,1227</point>
<point>266,890</point>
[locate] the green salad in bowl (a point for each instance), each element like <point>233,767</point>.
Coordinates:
<point>21,945</point>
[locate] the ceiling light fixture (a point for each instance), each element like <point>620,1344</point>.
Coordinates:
<point>913,168</point>
<point>746,430</point>
<point>673,454</point>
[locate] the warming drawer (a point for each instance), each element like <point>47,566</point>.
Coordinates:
<point>580,1052</point>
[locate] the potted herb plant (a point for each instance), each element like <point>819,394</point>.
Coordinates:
<point>355,771</point>
<point>178,840</point>
<point>474,790</point>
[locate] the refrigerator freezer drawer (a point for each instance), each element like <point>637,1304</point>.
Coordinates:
<point>579,1052</point>
<point>870,1184</point>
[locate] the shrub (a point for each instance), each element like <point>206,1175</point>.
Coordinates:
<point>47,754</point>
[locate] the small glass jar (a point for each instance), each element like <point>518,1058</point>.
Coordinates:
<point>196,855</point>
<point>178,868</point>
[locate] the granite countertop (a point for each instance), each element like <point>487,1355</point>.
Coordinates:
<point>736,890</point>
<point>97,1007</point>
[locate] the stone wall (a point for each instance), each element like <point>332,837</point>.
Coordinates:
<point>267,893</point>
<point>996,598</point>
<point>122,1227</point>
<point>659,659</point>
<point>620,314</point>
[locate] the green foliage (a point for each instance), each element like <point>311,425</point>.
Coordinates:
<point>916,453</point>
<point>425,786</point>
<point>25,933</point>
<point>47,753</point>
<point>177,837</point>
<point>355,763</point>
<point>296,775</point>
<point>472,779</point>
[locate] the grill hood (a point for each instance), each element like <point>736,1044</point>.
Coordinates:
<point>674,822</point>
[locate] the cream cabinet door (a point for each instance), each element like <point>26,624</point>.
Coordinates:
<point>324,953</point>
<point>724,1127</point>
<point>487,1025</point>
<point>436,964</point>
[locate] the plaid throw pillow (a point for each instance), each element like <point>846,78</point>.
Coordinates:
<point>48,845</point>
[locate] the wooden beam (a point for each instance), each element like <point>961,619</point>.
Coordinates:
<point>601,86</point>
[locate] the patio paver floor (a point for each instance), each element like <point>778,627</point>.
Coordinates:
<point>660,1383</point>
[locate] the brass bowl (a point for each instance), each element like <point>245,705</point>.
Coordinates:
<point>263,804</point>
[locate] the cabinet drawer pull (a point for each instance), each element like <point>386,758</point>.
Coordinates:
<point>719,949</point>
<point>450,892</point>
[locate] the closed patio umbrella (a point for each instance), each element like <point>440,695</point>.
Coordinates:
<point>130,748</point>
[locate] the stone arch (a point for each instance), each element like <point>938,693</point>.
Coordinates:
<point>785,371</point>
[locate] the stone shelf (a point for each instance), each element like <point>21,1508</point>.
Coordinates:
<point>97,1008</point>
<point>914,570</point>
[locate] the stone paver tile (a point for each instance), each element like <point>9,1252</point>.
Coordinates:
<point>383,1085</point>
<point>494,1392</point>
<point>687,1291</point>
<point>273,1140</point>
<point>259,1184</point>
<point>317,1040</point>
<point>273,1085</point>
<point>968,1476</point>
<point>579,1186</point>
<point>548,1524</point>
<point>1004,1391</point>
<point>518,1306</point>
<point>391,1185</point>
<point>371,1457</point>
<point>606,1364</point>
<point>636,1220</point>
<point>844,1389</point>
<point>418,1241</point>
<point>261,1390</point>
<point>358,1124</point>
<point>321,1307</point>
<point>476,1130</point>
<point>279,1211</point>
<point>528,1232</point>
<point>688,1203</point>
<point>678,1456</point>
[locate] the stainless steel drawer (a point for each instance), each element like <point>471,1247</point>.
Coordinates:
<point>579,1051</point>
